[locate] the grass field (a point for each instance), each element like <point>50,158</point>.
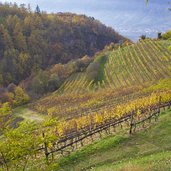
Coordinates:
<point>147,150</point>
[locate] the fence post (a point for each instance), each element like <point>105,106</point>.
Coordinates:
<point>135,128</point>
<point>45,147</point>
<point>131,124</point>
<point>159,104</point>
<point>169,105</point>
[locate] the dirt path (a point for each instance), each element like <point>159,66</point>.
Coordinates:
<point>29,114</point>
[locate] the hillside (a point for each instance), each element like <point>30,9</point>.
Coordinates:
<point>31,41</point>
<point>115,76</point>
<point>76,96</point>
<point>146,150</point>
<point>91,105</point>
<point>134,64</point>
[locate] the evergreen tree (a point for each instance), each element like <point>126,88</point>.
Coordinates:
<point>37,9</point>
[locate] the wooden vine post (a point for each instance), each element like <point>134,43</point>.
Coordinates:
<point>45,147</point>
<point>159,105</point>
<point>158,112</point>
<point>131,123</point>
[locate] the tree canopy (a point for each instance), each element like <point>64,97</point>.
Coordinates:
<point>31,41</point>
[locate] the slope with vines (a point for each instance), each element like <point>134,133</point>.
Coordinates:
<point>128,72</point>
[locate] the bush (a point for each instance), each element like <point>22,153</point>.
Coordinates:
<point>20,97</point>
<point>167,35</point>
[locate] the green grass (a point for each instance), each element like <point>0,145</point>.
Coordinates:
<point>28,114</point>
<point>148,150</point>
<point>159,162</point>
<point>102,60</point>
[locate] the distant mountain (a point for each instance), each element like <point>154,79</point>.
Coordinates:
<point>33,41</point>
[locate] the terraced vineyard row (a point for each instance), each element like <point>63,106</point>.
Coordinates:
<point>77,83</point>
<point>75,105</point>
<point>145,61</point>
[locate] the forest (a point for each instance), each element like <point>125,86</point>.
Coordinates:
<point>31,41</point>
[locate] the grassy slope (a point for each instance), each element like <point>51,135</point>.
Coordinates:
<point>102,60</point>
<point>145,150</point>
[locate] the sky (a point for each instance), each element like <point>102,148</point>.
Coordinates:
<point>131,18</point>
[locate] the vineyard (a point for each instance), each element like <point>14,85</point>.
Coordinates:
<point>120,111</point>
<point>145,61</point>
<point>146,149</point>
<point>72,133</point>
<point>55,138</point>
<point>139,63</point>
<point>76,80</point>
<point>136,85</point>
<point>75,95</point>
<point>128,71</point>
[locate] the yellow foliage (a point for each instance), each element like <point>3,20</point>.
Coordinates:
<point>20,96</point>
<point>118,111</point>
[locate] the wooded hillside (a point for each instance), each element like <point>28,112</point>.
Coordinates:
<point>33,40</point>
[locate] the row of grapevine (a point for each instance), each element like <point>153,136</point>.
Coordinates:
<point>77,83</point>
<point>66,128</point>
<point>145,61</point>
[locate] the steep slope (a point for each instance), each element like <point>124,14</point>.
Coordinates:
<point>126,73</point>
<point>33,40</point>
<point>87,104</point>
<point>144,62</point>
